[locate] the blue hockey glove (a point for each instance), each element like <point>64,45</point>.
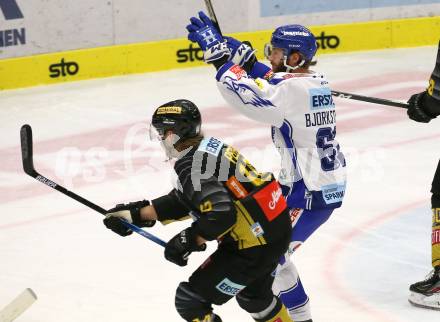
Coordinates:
<point>203,32</point>
<point>242,53</point>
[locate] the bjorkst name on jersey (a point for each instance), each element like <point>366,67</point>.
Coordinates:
<point>320,118</point>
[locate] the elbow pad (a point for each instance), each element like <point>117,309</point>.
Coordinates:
<point>216,208</point>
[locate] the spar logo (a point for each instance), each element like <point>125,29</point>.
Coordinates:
<point>11,37</point>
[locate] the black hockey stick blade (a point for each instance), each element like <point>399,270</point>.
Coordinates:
<point>26,150</point>
<point>28,167</point>
<point>211,14</point>
<point>369,99</point>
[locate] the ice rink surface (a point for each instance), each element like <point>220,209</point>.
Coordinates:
<point>91,137</point>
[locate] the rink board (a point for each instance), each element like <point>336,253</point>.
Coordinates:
<point>180,53</point>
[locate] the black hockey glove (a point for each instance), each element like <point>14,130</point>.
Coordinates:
<point>129,212</point>
<point>181,246</point>
<point>416,110</point>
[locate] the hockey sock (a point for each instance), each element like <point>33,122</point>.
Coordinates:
<point>435,202</point>
<point>275,312</point>
<point>435,230</point>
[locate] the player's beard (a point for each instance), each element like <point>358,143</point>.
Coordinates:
<point>279,68</point>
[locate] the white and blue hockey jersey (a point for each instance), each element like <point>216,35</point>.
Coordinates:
<point>301,111</point>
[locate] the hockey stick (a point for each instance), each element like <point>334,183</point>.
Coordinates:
<point>18,305</point>
<point>381,101</point>
<point>369,99</point>
<point>28,167</point>
<point>212,15</point>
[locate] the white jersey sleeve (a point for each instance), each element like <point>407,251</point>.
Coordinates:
<point>252,97</point>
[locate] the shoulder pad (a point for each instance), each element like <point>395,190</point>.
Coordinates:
<point>210,145</point>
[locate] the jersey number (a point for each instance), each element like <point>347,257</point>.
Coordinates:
<point>331,157</point>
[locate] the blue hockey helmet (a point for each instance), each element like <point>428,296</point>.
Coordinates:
<point>292,38</point>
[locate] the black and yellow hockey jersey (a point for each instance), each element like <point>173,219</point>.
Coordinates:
<point>230,200</point>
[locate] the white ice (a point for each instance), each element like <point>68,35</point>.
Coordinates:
<point>91,137</point>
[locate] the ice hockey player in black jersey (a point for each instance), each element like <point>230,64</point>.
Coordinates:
<point>230,202</point>
<point>423,107</point>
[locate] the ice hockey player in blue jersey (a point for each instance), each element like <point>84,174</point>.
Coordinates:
<point>297,103</point>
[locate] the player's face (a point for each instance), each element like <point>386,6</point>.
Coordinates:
<point>168,141</point>
<point>166,138</point>
<point>276,59</point>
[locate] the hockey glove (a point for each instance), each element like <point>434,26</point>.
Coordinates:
<point>217,55</point>
<point>131,213</point>
<point>242,53</point>
<point>203,32</point>
<point>416,110</point>
<point>181,246</point>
